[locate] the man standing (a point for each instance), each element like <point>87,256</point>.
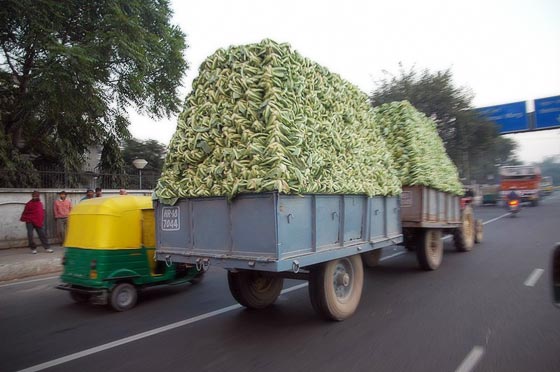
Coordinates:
<point>98,192</point>
<point>62,208</point>
<point>89,195</point>
<point>34,216</point>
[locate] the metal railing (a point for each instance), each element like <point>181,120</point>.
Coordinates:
<point>87,179</point>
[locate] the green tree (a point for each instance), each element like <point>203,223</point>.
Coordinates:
<point>150,150</point>
<point>473,143</point>
<point>70,70</point>
<point>550,166</point>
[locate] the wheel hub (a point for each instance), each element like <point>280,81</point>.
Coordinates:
<point>124,297</point>
<point>342,279</point>
<point>262,284</point>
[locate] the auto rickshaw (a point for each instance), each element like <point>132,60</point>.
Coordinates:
<point>110,246</point>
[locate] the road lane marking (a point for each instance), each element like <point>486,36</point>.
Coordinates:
<point>484,223</point>
<point>294,288</point>
<point>27,281</point>
<point>496,219</point>
<point>127,340</point>
<point>392,256</point>
<point>534,277</point>
<point>142,335</point>
<point>471,360</point>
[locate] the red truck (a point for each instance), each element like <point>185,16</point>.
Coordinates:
<point>525,179</point>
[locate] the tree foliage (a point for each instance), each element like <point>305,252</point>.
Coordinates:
<point>150,150</point>
<point>70,69</point>
<point>550,166</point>
<point>473,143</point>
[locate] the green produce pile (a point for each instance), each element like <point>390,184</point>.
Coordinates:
<point>418,152</point>
<point>261,117</point>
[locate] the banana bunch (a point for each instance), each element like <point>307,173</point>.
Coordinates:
<point>418,152</point>
<point>261,117</point>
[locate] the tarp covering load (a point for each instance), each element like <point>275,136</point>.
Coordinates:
<point>418,152</point>
<point>261,117</point>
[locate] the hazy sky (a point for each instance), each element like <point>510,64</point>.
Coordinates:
<point>504,51</point>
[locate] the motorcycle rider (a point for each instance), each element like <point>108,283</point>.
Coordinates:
<point>513,194</point>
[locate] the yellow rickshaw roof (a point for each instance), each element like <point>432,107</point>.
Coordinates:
<point>121,222</point>
<point>114,206</point>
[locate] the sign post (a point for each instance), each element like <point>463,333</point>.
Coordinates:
<point>511,117</point>
<point>547,112</point>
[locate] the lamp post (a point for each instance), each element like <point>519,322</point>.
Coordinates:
<point>140,164</point>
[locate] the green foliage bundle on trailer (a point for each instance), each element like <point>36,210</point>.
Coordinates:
<point>418,152</point>
<point>261,117</point>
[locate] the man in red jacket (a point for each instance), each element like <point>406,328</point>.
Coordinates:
<point>34,216</point>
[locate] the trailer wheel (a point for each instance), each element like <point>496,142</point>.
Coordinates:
<point>429,251</point>
<point>335,287</point>
<point>254,290</point>
<point>123,297</point>
<point>79,297</point>
<point>479,231</point>
<point>372,258</point>
<point>463,237</point>
<point>409,239</point>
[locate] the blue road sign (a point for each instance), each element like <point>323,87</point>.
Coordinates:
<point>547,112</point>
<point>511,117</point>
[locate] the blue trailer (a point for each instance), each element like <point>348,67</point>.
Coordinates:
<point>266,237</point>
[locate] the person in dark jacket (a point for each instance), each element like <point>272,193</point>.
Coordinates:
<point>513,194</point>
<point>34,217</point>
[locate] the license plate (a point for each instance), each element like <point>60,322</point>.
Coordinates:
<point>170,219</point>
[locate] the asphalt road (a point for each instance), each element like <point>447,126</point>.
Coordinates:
<point>486,310</point>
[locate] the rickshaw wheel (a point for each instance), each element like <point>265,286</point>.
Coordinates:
<point>79,297</point>
<point>123,297</point>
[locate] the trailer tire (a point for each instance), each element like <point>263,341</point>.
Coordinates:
<point>464,236</point>
<point>429,251</point>
<point>254,290</point>
<point>409,239</point>
<point>372,258</point>
<point>479,231</point>
<point>123,297</point>
<point>335,287</point>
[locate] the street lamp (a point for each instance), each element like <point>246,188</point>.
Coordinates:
<point>140,164</point>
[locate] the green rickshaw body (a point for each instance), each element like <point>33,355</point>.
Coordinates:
<point>111,241</point>
<point>110,266</point>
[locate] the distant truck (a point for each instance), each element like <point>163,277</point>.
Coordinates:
<point>525,179</point>
<point>490,194</point>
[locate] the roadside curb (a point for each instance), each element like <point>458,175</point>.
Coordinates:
<point>19,270</point>
<point>19,263</point>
